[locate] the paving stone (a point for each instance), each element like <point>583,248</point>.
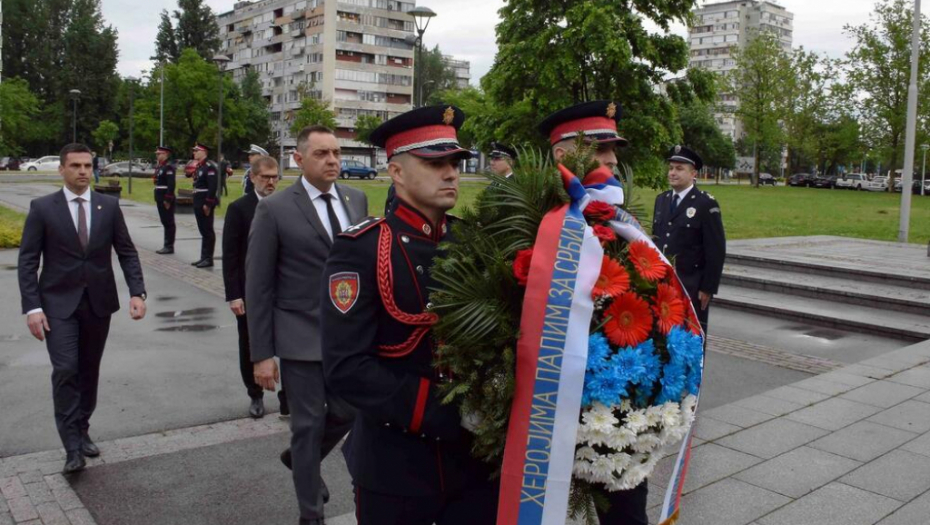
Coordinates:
<point>67,499</point>
<point>32,476</point>
<point>57,481</point>
<point>711,463</point>
<point>914,512</point>
<point>863,441</point>
<point>796,395</point>
<point>710,429</point>
<point>6,518</point>
<point>894,365</point>
<point>772,438</point>
<point>730,502</point>
<point>816,384</point>
<point>913,416</point>
<point>52,514</point>
<point>80,517</point>
<point>833,414</point>
<point>769,405</point>
<point>898,474</point>
<point>21,509</point>
<point>39,492</point>
<point>884,394</point>
<point>919,377</point>
<point>874,372</point>
<point>834,504</point>
<point>737,415</point>
<point>903,355</point>
<point>925,397</point>
<point>798,472</point>
<point>845,379</point>
<point>12,487</point>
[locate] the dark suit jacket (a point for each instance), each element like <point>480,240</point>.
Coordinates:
<point>50,235</point>
<point>235,244</point>
<point>288,247</point>
<point>694,236</point>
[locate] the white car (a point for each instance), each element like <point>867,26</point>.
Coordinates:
<point>46,163</point>
<point>853,181</point>
<point>878,184</point>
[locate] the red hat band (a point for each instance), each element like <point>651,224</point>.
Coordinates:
<point>587,125</point>
<point>423,137</point>
<point>199,148</point>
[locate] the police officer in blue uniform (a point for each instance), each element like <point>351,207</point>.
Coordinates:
<point>206,199</point>
<point>688,227</point>
<point>408,454</point>
<point>502,158</point>
<point>164,196</point>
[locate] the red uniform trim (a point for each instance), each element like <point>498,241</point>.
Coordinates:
<point>582,124</point>
<point>419,135</point>
<point>420,406</point>
<point>417,222</point>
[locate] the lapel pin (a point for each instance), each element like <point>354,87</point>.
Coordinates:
<point>99,207</point>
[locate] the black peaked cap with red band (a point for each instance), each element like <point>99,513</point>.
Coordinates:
<point>428,132</point>
<point>199,145</point>
<point>597,120</point>
<point>164,149</point>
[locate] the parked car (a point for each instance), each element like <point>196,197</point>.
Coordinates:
<point>121,169</point>
<point>852,181</point>
<point>766,178</point>
<point>823,181</point>
<point>9,163</point>
<point>46,163</point>
<point>915,186</point>
<point>879,183</point>
<point>800,179</point>
<point>354,168</point>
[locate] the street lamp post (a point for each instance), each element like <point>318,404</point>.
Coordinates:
<point>923,169</point>
<point>910,132</point>
<point>421,17</point>
<point>132,96</point>
<point>220,61</point>
<point>161,109</point>
<point>423,85</point>
<point>75,95</point>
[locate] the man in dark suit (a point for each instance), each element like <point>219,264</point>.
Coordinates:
<point>687,225</point>
<point>264,175</point>
<point>74,232</point>
<point>291,236</point>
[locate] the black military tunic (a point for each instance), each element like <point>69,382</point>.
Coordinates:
<point>164,199</point>
<point>693,236</point>
<point>206,183</point>
<point>378,356</point>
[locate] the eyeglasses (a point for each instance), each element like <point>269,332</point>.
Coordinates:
<point>267,178</point>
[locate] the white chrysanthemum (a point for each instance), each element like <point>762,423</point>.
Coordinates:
<point>581,469</point>
<point>596,437</point>
<point>626,405</point>
<point>646,443</point>
<point>586,454</point>
<point>636,421</point>
<point>687,404</point>
<point>621,461</point>
<point>621,438</point>
<point>599,418</point>
<point>633,476</point>
<point>602,469</point>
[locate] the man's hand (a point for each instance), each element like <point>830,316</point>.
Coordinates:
<point>136,308</point>
<point>167,205</point>
<point>206,210</point>
<point>38,325</point>
<point>266,373</point>
<point>238,307</point>
<point>704,297</point>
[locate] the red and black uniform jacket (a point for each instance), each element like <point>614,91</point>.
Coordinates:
<point>164,182</point>
<point>207,178</point>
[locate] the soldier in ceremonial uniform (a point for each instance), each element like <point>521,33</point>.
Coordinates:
<point>408,454</point>
<point>502,159</point>
<point>164,196</point>
<point>206,199</point>
<point>687,225</point>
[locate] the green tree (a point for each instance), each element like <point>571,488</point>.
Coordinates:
<point>105,133</point>
<point>480,127</point>
<point>256,116</point>
<point>555,54</point>
<point>364,125</point>
<point>196,28</point>
<point>166,43</point>
<point>19,108</point>
<point>438,76</point>
<point>878,70</point>
<point>808,98</point>
<point>761,73</point>
<point>701,132</point>
<point>312,112</point>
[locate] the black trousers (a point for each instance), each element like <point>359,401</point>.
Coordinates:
<point>166,217</point>
<point>75,348</point>
<point>701,314</point>
<point>319,421</point>
<point>205,225</point>
<point>473,506</point>
<point>627,507</point>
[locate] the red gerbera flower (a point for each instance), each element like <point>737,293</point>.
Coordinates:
<point>630,320</point>
<point>692,322</point>
<point>613,280</point>
<point>669,308</point>
<point>604,233</point>
<point>599,211</point>
<point>521,265</point>
<point>647,262</point>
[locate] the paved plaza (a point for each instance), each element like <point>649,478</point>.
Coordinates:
<point>800,422</point>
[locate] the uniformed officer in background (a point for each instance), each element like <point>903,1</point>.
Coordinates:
<point>206,199</point>
<point>164,196</point>
<point>408,454</point>
<point>688,226</point>
<point>502,159</point>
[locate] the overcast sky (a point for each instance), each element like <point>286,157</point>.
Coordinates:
<point>466,28</point>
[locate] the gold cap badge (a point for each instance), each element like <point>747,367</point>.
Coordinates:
<point>448,116</point>
<point>611,110</point>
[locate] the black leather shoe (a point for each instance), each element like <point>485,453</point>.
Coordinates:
<point>198,261</point>
<point>167,250</point>
<point>74,462</point>
<point>286,459</point>
<point>325,490</point>
<point>88,448</point>
<point>257,408</point>
<point>206,263</point>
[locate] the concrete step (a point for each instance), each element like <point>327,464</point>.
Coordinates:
<point>865,319</point>
<point>879,275</point>
<point>838,289</point>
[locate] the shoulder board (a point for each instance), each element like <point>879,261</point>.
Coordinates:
<point>356,230</point>
<point>709,195</point>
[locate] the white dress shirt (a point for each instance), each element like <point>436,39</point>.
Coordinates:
<point>320,204</point>
<point>683,193</point>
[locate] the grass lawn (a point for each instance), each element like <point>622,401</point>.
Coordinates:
<point>747,212</point>
<point>11,227</point>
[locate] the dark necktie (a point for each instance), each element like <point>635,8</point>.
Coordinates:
<point>331,212</point>
<point>82,223</point>
<point>675,203</point>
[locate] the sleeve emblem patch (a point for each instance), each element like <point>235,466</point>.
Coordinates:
<point>343,290</point>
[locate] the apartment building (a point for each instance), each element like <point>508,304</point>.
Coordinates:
<point>719,28</point>
<point>462,70</point>
<point>353,54</point>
